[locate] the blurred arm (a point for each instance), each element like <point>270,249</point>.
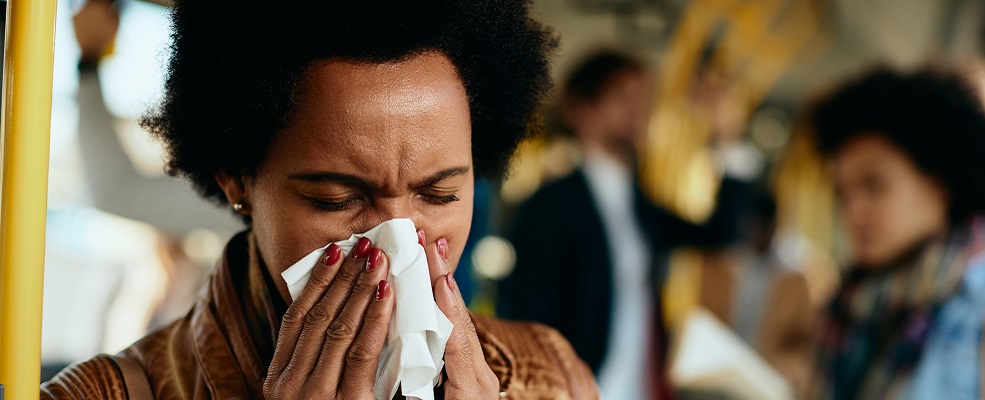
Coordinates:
<point>720,230</point>
<point>117,187</point>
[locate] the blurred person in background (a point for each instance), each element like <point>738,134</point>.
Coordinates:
<point>113,171</point>
<point>116,186</point>
<point>768,306</point>
<point>313,121</point>
<point>592,252</point>
<point>116,264</point>
<point>906,152</point>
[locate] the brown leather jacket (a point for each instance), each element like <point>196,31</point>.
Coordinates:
<point>222,348</point>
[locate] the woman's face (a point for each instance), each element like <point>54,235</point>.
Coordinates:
<point>366,143</point>
<point>887,204</point>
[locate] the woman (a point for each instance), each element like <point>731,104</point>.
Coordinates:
<point>315,120</point>
<point>906,153</point>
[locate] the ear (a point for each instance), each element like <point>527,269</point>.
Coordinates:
<point>237,191</point>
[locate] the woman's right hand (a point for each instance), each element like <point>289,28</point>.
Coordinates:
<point>331,336</point>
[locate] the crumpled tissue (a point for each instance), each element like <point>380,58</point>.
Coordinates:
<point>415,344</point>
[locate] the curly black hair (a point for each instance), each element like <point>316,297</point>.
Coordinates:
<point>236,64</point>
<point>933,115</point>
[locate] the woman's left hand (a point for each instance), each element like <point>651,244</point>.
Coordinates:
<point>469,377</point>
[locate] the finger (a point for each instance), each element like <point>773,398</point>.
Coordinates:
<point>364,354</point>
<point>466,367</point>
<point>463,350</point>
<point>446,293</point>
<point>339,355</point>
<point>293,321</point>
<point>318,318</point>
<point>436,269</point>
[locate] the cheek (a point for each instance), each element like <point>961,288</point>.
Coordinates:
<point>918,214</point>
<point>452,222</point>
<point>615,113</point>
<point>867,220</point>
<point>287,227</point>
<point>887,213</point>
<point>901,219</point>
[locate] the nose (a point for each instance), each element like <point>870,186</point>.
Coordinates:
<point>385,209</point>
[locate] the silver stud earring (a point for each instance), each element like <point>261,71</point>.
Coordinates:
<point>238,207</point>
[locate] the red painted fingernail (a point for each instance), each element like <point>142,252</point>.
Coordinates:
<point>333,254</point>
<point>382,290</point>
<point>450,280</point>
<point>420,237</point>
<point>361,249</point>
<point>442,248</point>
<point>374,260</point>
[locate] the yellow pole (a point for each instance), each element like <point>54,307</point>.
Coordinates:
<point>29,55</point>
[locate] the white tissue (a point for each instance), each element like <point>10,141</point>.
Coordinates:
<point>415,344</point>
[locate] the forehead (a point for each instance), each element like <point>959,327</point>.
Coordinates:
<point>864,146</point>
<point>869,151</point>
<point>359,114</point>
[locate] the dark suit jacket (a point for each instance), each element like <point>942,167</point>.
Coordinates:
<point>563,275</point>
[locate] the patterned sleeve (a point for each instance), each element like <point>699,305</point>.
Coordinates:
<point>581,381</point>
<point>534,361</point>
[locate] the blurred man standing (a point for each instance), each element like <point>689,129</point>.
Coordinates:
<point>592,252</point>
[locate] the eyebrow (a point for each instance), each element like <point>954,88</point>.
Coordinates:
<point>355,181</point>
<point>442,175</point>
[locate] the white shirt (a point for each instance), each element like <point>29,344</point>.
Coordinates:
<point>623,374</point>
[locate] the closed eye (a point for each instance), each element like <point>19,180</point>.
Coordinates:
<point>441,199</point>
<point>333,206</point>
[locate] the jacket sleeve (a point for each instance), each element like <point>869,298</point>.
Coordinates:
<point>98,378</point>
<point>720,230</point>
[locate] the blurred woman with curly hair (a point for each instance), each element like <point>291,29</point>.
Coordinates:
<point>907,154</point>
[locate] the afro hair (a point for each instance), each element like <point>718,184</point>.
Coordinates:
<point>235,65</point>
<point>934,116</point>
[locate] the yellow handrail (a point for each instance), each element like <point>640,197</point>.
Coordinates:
<point>28,60</point>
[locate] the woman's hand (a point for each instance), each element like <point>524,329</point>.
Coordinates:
<point>469,377</point>
<point>331,336</point>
